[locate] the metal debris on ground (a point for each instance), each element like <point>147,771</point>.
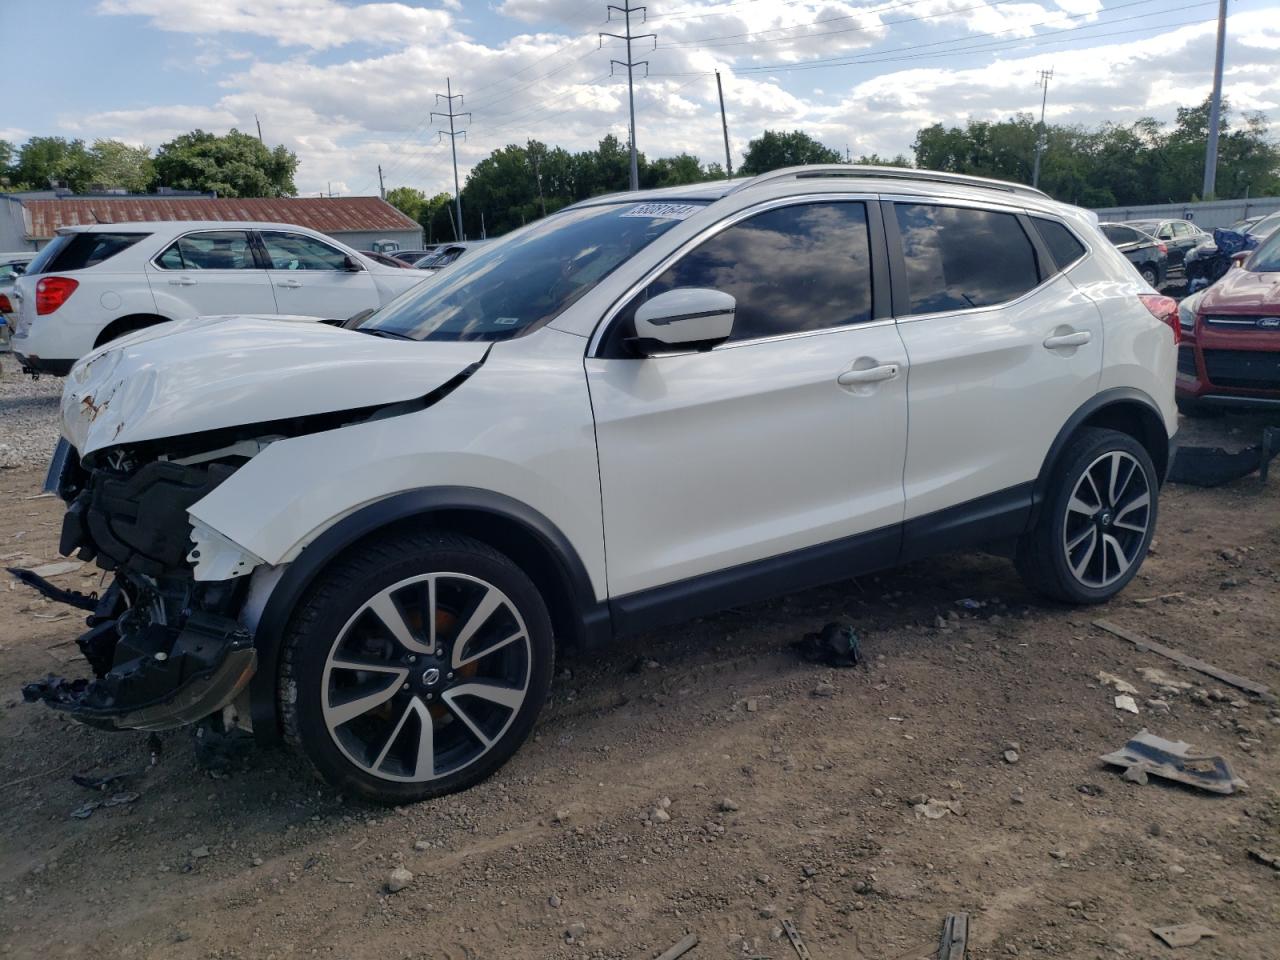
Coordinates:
<point>836,645</point>
<point>37,582</point>
<point>1126,702</point>
<point>1177,656</point>
<point>1183,934</point>
<point>679,949</point>
<point>1147,754</point>
<point>955,937</point>
<point>794,936</point>
<point>1214,466</point>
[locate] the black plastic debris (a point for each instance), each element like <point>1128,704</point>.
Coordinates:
<point>1214,466</point>
<point>84,601</point>
<point>836,645</point>
<point>1148,755</point>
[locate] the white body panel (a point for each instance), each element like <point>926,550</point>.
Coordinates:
<point>710,460</point>
<point>333,295</point>
<point>180,295</point>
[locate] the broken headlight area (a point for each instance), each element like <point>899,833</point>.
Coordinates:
<point>165,649</point>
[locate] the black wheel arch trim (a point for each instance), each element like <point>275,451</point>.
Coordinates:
<point>591,616</point>
<point>1161,453</point>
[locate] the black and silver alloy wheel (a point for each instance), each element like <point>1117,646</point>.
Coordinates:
<point>1107,518</point>
<point>426,676</point>
<point>416,666</point>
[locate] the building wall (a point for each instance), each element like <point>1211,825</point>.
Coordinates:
<point>13,227</point>
<point>1206,215</point>
<point>408,239</point>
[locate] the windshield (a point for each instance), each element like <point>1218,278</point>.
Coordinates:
<point>1266,259</point>
<point>500,291</point>
<point>1266,226</point>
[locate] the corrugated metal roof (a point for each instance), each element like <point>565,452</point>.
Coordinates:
<point>326,214</point>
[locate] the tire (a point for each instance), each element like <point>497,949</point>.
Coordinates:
<point>1198,411</point>
<point>480,697</point>
<point>1149,274</point>
<point>1051,557</point>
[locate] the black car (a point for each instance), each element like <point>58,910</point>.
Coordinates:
<point>1180,236</point>
<point>1149,255</point>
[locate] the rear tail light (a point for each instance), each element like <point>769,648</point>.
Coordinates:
<point>5,305</point>
<point>1164,250</point>
<point>53,292</point>
<point>1164,309</point>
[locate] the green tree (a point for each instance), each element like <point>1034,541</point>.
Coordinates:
<point>875,160</point>
<point>772,150</point>
<point>237,165</point>
<point>43,161</point>
<point>117,164</point>
<point>436,217</point>
<point>408,200</point>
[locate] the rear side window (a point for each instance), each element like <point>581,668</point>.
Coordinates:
<point>792,269</point>
<point>958,258</point>
<point>1062,243</point>
<point>215,250</point>
<point>78,251</point>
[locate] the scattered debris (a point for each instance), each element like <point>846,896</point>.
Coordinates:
<point>56,569</point>
<point>1243,683</point>
<point>85,811</point>
<point>680,949</point>
<point>1011,756</point>
<point>1158,678</point>
<point>933,809</point>
<point>836,645</point>
<point>968,603</point>
<point>955,937</point>
<point>120,799</point>
<point>101,783</point>
<point>1183,934</point>
<point>1214,466</point>
<point>728,806</point>
<point>824,689</point>
<point>1173,760</point>
<point>1271,860</point>
<point>794,936</point>
<point>1126,702</point>
<point>1111,680</point>
<point>37,582</point>
<point>399,879</point>
<point>200,852</point>
<point>1143,601</point>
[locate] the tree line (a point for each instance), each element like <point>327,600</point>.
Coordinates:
<point>234,165</point>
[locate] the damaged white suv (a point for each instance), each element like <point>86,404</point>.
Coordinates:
<point>640,409</point>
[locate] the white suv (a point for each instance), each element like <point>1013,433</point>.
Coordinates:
<point>93,284</point>
<point>641,409</point>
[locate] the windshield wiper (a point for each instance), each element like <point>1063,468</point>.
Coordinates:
<point>388,334</point>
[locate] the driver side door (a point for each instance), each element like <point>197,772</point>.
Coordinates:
<point>774,460</point>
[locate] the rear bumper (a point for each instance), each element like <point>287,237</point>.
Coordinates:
<point>34,364</point>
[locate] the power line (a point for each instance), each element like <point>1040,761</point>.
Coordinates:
<point>453,135</point>
<point>630,64</point>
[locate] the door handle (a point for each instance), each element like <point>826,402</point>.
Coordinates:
<point>182,282</point>
<point>291,284</point>
<point>851,378</point>
<point>1077,339</point>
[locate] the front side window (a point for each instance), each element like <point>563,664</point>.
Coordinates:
<point>506,288</point>
<point>958,258</point>
<point>294,251</point>
<point>214,250</point>
<point>1266,259</point>
<point>79,251</point>
<point>791,269</point>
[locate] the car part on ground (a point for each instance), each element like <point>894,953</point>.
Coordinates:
<point>1214,466</point>
<point>1148,755</point>
<point>380,530</point>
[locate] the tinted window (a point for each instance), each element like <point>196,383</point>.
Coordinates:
<point>1118,235</point>
<point>1266,226</point>
<point>293,251</point>
<point>77,251</point>
<point>959,258</point>
<point>215,250</point>
<point>502,289</point>
<point>1062,243</point>
<point>1266,259</point>
<point>806,267</point>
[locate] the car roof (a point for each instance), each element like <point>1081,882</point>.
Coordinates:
<point>180,226</point>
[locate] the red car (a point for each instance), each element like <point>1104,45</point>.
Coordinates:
<point>1230,350</point>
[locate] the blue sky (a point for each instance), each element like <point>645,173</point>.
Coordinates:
<point>349,85</point>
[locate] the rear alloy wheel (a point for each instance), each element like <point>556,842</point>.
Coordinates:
<point>1149,275</point>
<point>1097,522</point>
<point>433,677</point>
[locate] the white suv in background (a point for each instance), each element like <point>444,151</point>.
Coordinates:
<point>641,409</point>
<point>93,284</point>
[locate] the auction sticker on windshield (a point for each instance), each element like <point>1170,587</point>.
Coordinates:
<point>664,211</point>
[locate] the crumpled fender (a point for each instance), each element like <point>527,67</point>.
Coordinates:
<point>212,372</point>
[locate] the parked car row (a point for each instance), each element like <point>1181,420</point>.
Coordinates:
<point>639,409</point>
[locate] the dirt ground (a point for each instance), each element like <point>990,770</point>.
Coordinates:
<point>559,855</point>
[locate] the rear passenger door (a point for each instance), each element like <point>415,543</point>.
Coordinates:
<point>311,278</point>
<point>1002,349</point>
<point>210,272</point>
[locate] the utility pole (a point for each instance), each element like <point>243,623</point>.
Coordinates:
<point>259,123</point>
<point>537,172</point>
<point>382,187</point>
<point>724,124</point>
<point>453,135</point>
<point>1045,77</point>
<point>1215,109</point>
<point>626,12</point>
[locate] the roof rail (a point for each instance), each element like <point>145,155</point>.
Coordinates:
<point>817,170</point>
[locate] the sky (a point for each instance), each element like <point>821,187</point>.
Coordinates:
<point>350,85</point>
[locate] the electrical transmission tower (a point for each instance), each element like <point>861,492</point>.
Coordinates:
<point>626,12</point>
<point>1045,77</point>
<point>453,135</point>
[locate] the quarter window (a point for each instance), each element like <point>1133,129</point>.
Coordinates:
<point>792,269</point>
<point>215,250</point>
<point>293,251</point>
<point>1062,243</point>
<point>958,257</point>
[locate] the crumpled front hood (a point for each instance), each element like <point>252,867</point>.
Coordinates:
<point>213,372</point>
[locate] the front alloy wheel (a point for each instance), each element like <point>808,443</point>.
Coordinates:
<point>434,677</point>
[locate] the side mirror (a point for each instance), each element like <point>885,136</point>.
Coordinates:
<point>1238,259</point>
<point>351,264</point>
<point>690,318</point>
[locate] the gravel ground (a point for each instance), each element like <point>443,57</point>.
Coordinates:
<point>28,416</point>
